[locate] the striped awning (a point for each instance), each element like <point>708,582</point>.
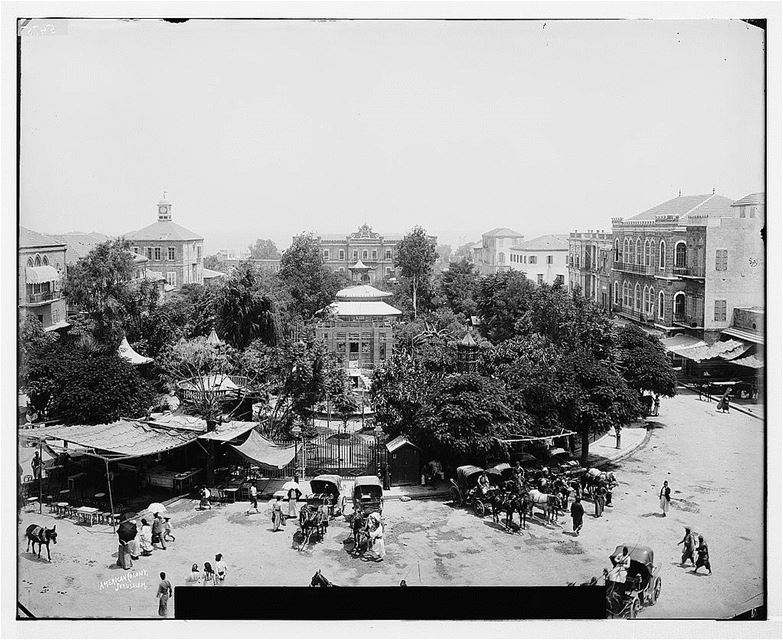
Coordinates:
<point>39,275</point>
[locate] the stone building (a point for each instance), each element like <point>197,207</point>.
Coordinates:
<point>590,265</point>
<point>175,251</point>
<point>376,251</point>
<point>41,273</point>
<point>358,325</point>
<point>542,259</point>
<point>492,255</point>
<point>685,264</point>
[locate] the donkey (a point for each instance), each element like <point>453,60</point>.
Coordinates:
<point>42,536</point>
<point>319,580</point>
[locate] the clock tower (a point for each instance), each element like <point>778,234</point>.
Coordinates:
<point>164,210</point>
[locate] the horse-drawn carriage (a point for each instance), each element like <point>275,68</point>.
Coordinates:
<point>367,495</point>
<point>642,585</point>
<point>465,490</point>
<point>327,489</point>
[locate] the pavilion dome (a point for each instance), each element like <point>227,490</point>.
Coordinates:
<point>362,293</point>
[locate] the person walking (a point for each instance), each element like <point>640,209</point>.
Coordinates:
<point>124,559</point>
<point>205,495</point>
<point>253,498</point>
<point>157,531</point>
<point>665,497</point>
<point>167,529</point>
<point>577,514</point>
<point>656,404</point>
<point>164,593</point>
<point>293,495</point>
<point>689,544</point>
<point>36,464</point>
<point>277,515</point>
<point>221,569</point>
<point>703,556</point>
<point>145,538</point>
<point>599,500</point>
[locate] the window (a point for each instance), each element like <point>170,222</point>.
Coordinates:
<point>616,291</point>
<point>353,347</point>
<point>539,278</point>
<point>660,305</point>
<point>171,278</point>
<point>374,254</point>
<point>389,271</point>
<point>637,302</point>
<point>501,258</point>
<point>56,315</point>
<point>149,253</point>
<point>29,262</point>
<point>679,306</point>
<point>550,259</point>
<point>388,254</point>
<point>680,254</point>
<point>135,250</point>
<point>170,253</point>
<point>662,255</point>
<point>752,212</point>
<point>625,293</point>
<point>626,249</point>
<point>617,250</point>
<point>638,252</point>
<point>355,255</point>
<point>650,302</point>
<point>37,261</point>
<point>721,259</point>
<point>524,260</point>
<point>326,254</point>
<point>720,311</point>
<point>364,254</point>
<point>342,254</point>
<point>559,279</point>
<point>198,252</point>
<point>533,259</point>
<point>157,253</point>
<point>341,269</point>
<point>45,261</point>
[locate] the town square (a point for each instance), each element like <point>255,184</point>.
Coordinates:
<point>392,304</point>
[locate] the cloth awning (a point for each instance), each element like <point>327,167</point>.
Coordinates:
<point>264,452</point>
<point>679,343</point>
<point>122,439</point>
<point>208,274</point>
<point>743,334</point>
<point>178,421</point>
<point>38,275</point>
<point>717,350</point>
<point>127,352</point>
<point>228,431</point>
<point>754,362</point>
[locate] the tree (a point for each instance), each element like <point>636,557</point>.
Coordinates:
<point>214,263</point>
<point>502,299</point>
<point>86,386</point>
<point>311,283</point>
<point>344,404</point>
<point>643,362</point>
<point>264,249</point>
<point>246,307</point>
<point>458,286</point>
<point>103,285</point>
<point>415,256</point>
<point>463,251</point>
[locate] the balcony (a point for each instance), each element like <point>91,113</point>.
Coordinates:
<point>43,297</point>
<point>688,272</point>
<point>629,267</point>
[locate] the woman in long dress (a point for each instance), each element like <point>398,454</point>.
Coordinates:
<point>145,538</point>
<point>277,514</point>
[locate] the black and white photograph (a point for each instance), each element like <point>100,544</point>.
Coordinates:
<point>347,296</point>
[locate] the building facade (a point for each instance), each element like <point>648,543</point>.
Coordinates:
<point>41,273</point>
<point>542,260</point>
<point>590,266</point>
<point>171,249</point>
<point>492,255</point>
<point>684,265</point>
<point>376,251</point>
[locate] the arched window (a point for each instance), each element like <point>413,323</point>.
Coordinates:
<point>662,255</point>
<point>637,301</point>
<point>616,291</point>
<point>617,249</point>
<point>680,254</point>
<point>660,305</point>
<point>29,262</point>
<point>646,261</point>
<point>45,261</point>
<point>37,261</point>
<point>625,250</point>
<point>501,258</point>
<point>679,306</point>
<point>638,252</point>
<point>650,302</point>
<point>644,299</point>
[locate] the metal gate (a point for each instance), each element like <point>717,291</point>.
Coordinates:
<point>346,454</point>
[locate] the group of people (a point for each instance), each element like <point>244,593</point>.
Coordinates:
<point>135,542</point>
<point>695,551</point>
<point>212,576</point>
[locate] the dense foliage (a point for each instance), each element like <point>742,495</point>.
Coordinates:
<point>415,256</point>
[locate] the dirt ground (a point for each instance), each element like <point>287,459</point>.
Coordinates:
<point>713,463</point>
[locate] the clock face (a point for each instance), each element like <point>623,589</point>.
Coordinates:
<point>163,209</point>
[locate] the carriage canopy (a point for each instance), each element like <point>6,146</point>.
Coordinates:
<point>639,554</point>
<point>503,469</point>
<point>371,486</point>
<point>330,484</point>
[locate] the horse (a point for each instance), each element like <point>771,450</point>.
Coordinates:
<point>320,581</point>
<point>498,500</point>
<point>361,536</point>
<point>309,523</point>
<point>549,503</point>
<point>42,536</point>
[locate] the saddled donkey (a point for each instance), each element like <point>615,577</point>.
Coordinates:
<point>549,503</point>
<point>41,536</point>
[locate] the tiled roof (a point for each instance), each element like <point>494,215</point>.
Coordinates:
<point>80,244</point>
<point>369,308</point>
<point>503,232</point>
<point>545,243</point>
<point>753,198</point>
<point>163,231</point>
<point>711,205</point>
<point>29,239</point>
<point>362,292</point>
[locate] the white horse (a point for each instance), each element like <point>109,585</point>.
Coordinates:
<point>549,503</point>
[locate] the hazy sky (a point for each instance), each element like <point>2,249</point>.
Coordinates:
<point>268,128</point>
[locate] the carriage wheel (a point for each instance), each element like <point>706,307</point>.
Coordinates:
<point>456,498</point>
<point>636,607</point>
<point>478,507</point>
<point>656,591</point>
